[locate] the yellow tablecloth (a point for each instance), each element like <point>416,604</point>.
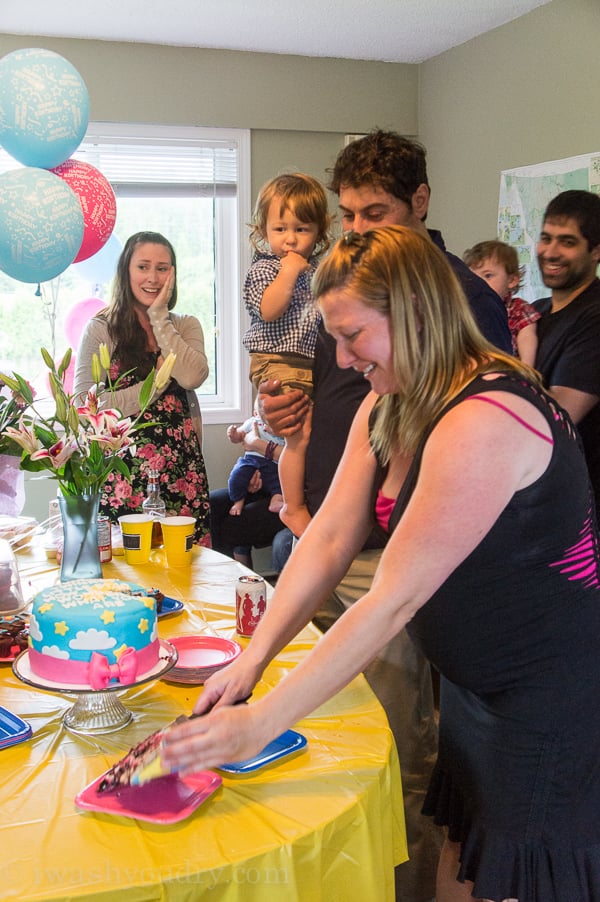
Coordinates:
<point>326,824</point>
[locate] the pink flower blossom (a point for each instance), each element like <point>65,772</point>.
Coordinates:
<point>24,436</point>
<point>58,454</point>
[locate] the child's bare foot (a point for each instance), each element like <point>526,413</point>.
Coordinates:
<point>236,508</point>
<point>276,503</point>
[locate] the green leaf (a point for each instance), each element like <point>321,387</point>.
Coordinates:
<point>23,388</point>
<point>10,381</point>
<point>45,436</point>
<point>121,467</point>
<point>146,391</point>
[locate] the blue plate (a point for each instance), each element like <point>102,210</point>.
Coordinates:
<point>12,729</point>
<point>170,606</point>
<point>286,744</point>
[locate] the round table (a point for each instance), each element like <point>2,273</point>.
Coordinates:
<point>325,824</point>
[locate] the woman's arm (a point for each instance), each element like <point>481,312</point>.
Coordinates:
<point>253,442</point>
<point>475,460</point>
<point>127,400</point>
<point>320,560</point>
<point>183,336</point>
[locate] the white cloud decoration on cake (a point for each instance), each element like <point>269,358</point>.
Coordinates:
<point>92,639</point>
<point>53,652</point>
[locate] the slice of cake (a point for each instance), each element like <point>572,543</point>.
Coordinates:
<point>93,632</point>
<point>141,763</point>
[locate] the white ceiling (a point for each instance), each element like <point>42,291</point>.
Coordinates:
<point>402,31</point>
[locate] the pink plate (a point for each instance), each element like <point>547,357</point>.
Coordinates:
<point>199,652</point>
<point>162,801</point>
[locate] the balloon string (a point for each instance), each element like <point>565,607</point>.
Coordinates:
<point>38,293</point>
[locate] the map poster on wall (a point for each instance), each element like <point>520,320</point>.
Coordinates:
<point>524,195</point>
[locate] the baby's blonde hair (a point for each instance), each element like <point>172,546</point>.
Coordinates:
<point>304,196</point>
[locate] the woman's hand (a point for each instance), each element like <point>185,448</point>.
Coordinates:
<point>164,295</point>
<point>232,684</point>
<point>227,734</point>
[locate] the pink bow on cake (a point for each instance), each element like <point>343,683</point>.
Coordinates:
<point>100,672</point>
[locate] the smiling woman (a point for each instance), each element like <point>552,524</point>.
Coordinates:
<point>141,331</point>
<point>477,481</point>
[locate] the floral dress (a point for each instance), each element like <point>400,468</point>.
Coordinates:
<point>169,445</point>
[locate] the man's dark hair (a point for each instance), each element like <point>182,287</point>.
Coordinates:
<point>383,159</point>
<point>583,207</point>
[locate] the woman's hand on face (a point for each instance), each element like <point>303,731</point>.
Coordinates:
<point>164,295</point>
<point>284,412</point>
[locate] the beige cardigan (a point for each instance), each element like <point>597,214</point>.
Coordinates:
<point>174,332</point>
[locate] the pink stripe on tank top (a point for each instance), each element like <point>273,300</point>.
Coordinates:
<point>512,414</point>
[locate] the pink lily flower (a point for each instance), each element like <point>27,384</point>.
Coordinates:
<point>58,454</point>
<point>116,434</point>
<point>23,436</point>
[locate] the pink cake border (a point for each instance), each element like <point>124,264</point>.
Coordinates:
<point>59,670</point>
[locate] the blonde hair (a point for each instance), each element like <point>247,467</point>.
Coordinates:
<point>304,196</point>
<point>437,347</point>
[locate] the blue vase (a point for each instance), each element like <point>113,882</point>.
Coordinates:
<point>80,556</point>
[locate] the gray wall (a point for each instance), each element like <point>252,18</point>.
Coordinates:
<point>524,93</point>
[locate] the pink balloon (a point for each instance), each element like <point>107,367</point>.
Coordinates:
<point>77,318</point>
<point>97,200</point>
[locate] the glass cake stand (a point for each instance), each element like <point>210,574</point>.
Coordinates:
<point>95,711</point>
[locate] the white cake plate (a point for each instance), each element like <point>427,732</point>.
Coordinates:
<point>95,711</point>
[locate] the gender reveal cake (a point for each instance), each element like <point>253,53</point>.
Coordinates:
<point>93,632</point>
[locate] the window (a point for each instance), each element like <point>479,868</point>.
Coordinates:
<point>193,186</point>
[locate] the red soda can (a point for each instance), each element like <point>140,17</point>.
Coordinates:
<point>250,603</point>
<point>104,540</point>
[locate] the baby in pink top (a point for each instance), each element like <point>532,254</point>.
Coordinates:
<point>498,264</point>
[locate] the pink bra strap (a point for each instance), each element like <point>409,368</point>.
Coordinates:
<point>512,414</point>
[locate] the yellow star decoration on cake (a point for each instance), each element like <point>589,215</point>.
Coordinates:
<point>61,628</point>
<point>107,617</point>
<point>47,606</point>
<point>119,651</point>
<point>148,602</point>
<point>143,625</point>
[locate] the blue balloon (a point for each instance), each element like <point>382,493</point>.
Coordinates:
<point>44,107</point>
<point>101,267</point>
<point>41,225</point>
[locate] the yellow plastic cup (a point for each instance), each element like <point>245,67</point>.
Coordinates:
<point>178,540</point>
<point>136,530</point>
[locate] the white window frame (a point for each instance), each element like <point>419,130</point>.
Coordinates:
<point>232,400</point>
<point>233,397</point>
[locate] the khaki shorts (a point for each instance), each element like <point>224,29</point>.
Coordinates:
<point>292,372</point>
